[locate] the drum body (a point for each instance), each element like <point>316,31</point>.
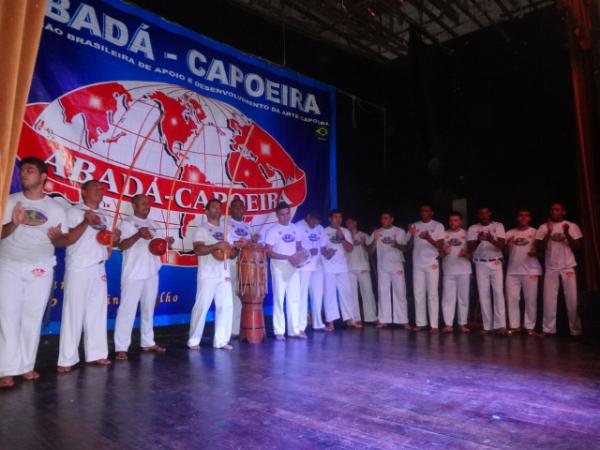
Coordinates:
<point>252,288</point>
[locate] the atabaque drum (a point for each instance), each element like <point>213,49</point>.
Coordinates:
<point>252,288</point>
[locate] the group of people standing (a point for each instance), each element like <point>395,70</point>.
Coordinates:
<point>327,268</point>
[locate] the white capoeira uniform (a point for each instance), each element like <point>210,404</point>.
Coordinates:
<point>488,271</point>
<point>457,278</point>
<point>522,274</point>
<point>239,230</point>
<point>337,279</point>
<point>139,285</point>
<point>360,275</point>
<point>213,283</point>
<point>85,296</point>
<point>285,279</point>
<point>426,273</point>
<point>311,275</point>
<point>560,267</point>
<point>26,273</point>
<point>393,307</point>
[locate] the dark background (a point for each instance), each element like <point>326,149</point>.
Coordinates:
<point>488,117</point>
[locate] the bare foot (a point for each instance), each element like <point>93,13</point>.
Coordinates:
<point>380,325</point>
<point>63,369</point>
<point>329,327</point>
<point>503,332</point>
<point>406,327</point>
<point>194,347</point>
<point>417,328</point>
<point>31,375</point>
<point>447,329</point>
<point>7,382</point>
<point>121,356</point>
<point>530,332</point>
<point>353,323</point>
<point>302,335</point>
<point>279,337</point>
<point>464,329</point>
<point>434,331</point>
<point>484,332</point>
<point>515,330</point>
<point>225,347</point>
<point>155,348</point>
<point>103,362</point>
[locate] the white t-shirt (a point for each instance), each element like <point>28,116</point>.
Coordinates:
<point>454,264</point>
<point>519,262</point>
<point>485,249</point>
<point>240,230</point>
<point>389,258</point>
<point>208,266</point>
<point>358,258</point>
<point>312,238</point>
<point>282,238</point>
<point>86,251</point>
<point>338,262</point>
<point>138,262</point>
<point>29,242</point>
<point>559,255</point>
<point>425,254</point>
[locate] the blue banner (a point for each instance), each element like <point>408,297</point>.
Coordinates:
<point>145,106</point>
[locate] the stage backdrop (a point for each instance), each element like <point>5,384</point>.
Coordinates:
<point>144,106</point>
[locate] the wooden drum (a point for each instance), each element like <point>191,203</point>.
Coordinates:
<point>252,288</point>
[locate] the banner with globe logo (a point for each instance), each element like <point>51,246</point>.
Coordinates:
<point>145,106</point>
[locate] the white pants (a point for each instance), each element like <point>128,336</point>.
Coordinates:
<point>84,308</point>
<point>490,274</point>
<point>339,283</point>
<point>24,293</point>
<point>311,282</point>
<point>133,292</point>
<point>388,283</point>
<point>237,303</point>
<point>286,288</point>
<point>425,285</point>
<point>456,286</point>
<point>529,285</point>
<point>208,289</point>
<point>552,280</point>
<point>362,279</point>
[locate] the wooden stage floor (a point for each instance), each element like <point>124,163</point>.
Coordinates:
<point>386,389</point>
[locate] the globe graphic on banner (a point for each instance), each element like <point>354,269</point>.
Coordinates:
<point>166,141</point>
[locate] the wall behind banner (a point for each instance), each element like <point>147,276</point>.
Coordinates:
<point>142,105</point>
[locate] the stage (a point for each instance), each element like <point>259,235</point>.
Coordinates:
<point>350,389</point>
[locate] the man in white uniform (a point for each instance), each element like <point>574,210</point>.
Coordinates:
<point>486,240</point>
<point>427,239</point>
<point>312,236</point>
<point>457,275</point>
<point>389,242</point>
<point>240,230</point>
<point>214,279</point>
<point>559,237</point>
<point>360,270</point>
<point>522,273</point>
<point>33,224</point>
<point>284,247</point>
<point>139,279</point>
<point>85,295</point>
<point>338,242</point>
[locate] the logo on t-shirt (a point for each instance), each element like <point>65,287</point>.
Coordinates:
<point>521,241</point>
<point>313,237</point>
<point>100,225</point>
<point>241,232</point>
<point>35,217</point>
<point>218,235</point>
<point>557,237</point>
<point>455,242</point>
<point>288,237</point>
<point>335,239</point>
<point>387,240</point>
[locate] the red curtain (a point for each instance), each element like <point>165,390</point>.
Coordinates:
<point>583,21</point>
